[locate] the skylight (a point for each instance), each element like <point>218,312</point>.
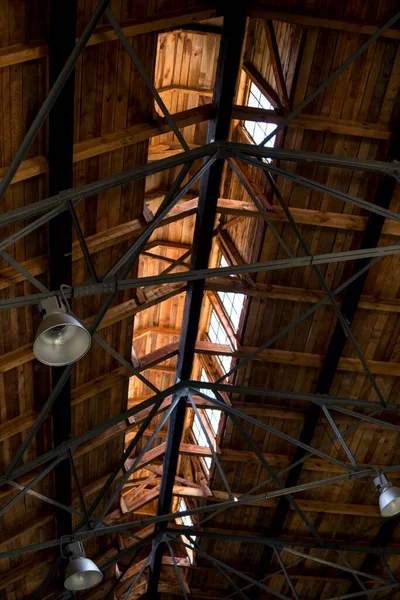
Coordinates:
<point>218,335</point>
<point>258,131</point>
<point>188,521</point>
<point>213,414</point>
<point>232,303</point>
<point>200,438</point>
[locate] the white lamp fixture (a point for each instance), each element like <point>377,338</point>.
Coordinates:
<point>81,573</point>
<point>60,338</point>
<point>389,499</point>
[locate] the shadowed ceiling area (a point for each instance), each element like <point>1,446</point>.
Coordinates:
<point>199,300</point>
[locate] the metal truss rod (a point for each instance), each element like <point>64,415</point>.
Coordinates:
<point>211,446</point>
<point>126,527</point>
<point>90,434</point>
<point>233,411</point>
<point>259,206</point>
<point>9,474</point>
<point>31,484</point>
<point>320,187</point>
<point>52,96</point>
<point>339,436</point>
<point>223,565</point>
<point>84,290</point>
<point>332,77</point>
<point>79,490</point>
<point>176,568</point>
<point>327,563</point>
<point>128,365</point>
<point>222,572</point>
<point>237,150</point>
<point>138,458</point>
<point>82,243</point>
<point>269,576</point>
<point>286,543</point>
<point>132,445</point>
<point>138,576</point>
<point>288,579</point>
<point>391,586</point>
<point>149,83</point>
<point>359,273</point>
<point>59,202</point>
<point>43,498</point>
<point>18,267</point>
<point>341,318</point>
<point>110,595</point>
<point>170,200</point>
<point>320,399</point>
<point>247,437</point>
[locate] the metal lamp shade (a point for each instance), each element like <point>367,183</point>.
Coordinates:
<point>60,340</point>
<point>82,574</point>
<point>389,501</point>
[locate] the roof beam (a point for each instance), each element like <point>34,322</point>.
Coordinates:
<point>228,67</point>
<point>293,294</point>
<point>112,141</point>
<point>19,53</point>
<point>275,356</point>
<point>315,123</point>
<point>276,62</point>
<point>216,496</point>
<point>263,85</point>
<point>62,35</point>
<point>313,19</point>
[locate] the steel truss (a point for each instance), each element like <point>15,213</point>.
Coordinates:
<point>215,153</point>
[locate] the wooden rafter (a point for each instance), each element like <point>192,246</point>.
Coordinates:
<point>263,85</point>
<point>276,62</point>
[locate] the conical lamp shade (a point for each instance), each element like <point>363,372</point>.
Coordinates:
<point>389,501</point>
<point>61,340</point>
<point>82,574</point>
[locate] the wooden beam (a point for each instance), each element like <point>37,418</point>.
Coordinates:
<point>119,139</point>
<point>300,359</point>
<point>127,231</point>
<point>232,254</point>
<point>312,19</point>
<point>275,356</point>
<point>333,508</point>
<point>186,89</point>
<point>19,53</point>
<point>315,123</point>
<point>254,187</point>
<point>138,133</point>
<point>276,61</point>
<point>293,294</point>
<point>263,85</point>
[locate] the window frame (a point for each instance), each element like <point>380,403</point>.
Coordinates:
<point>259,100</point>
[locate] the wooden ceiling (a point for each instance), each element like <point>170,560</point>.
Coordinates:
<point>290,47</point>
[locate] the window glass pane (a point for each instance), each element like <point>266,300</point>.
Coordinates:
<point>265,103</point>
<point>253,101</point>
<point>232,303</point>
<point>259,131</point>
